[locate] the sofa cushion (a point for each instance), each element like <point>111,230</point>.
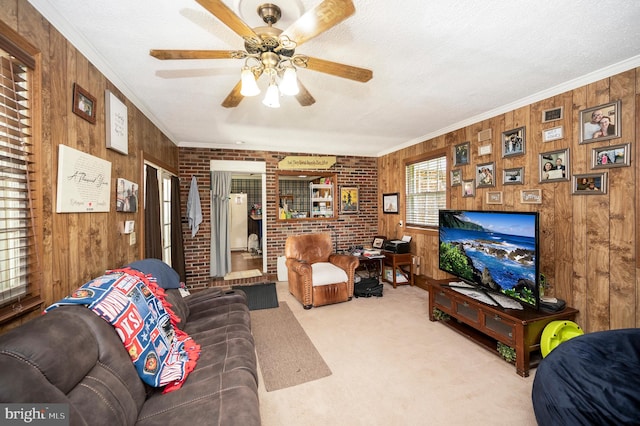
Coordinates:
<point>327,273</point>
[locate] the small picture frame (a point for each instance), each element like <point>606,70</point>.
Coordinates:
<point>484,150</point>
<point>553,134</point>
<point>552,114</point>
<point>600,123</point>
<point>513,142</point>
<point>493,197</point>
<point>456,177</point>
<point>514,176</point>
<point>554,166</point>
<point>461,154</point>
<point>607,157</point>
<point>485,175</point>
<point>485,135</point>
<point>589,184</point>
<point>531,196</point>
<point>349,199</point>
<point>378,242</point>
<point>126,196</point>
<point>469,188</point>
<point>390,203</point>
<point>84,104</point>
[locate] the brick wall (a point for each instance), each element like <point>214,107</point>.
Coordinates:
<point>347,229</point>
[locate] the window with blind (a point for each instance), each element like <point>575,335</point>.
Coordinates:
<point>19,260</point>
<point>426,190</point>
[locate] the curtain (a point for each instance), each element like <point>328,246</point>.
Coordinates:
<point>177,245</point>
<point>152,231</point>
<point>220,240</point>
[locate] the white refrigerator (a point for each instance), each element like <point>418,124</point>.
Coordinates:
<point>238,213</point>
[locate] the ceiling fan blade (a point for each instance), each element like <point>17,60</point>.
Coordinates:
<point>319,19</point>
<point>234,98</point>
<point>339,70</point>
<point>303,96</point>
<point>192,54</point>
<point>230,19</point>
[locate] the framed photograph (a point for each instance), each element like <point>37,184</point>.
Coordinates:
<point>513,142</point>
<point>390,203</point>
<point>126,196</point>
<point>378,242</point>
<point>589,184</point>
<point>493,197</point>
<point>513,176</point>
<point>84,104</point>
<point>607,157</point>
<point>485,175</point>
<point>531,196</point>
<point>552,114</point>
<point>600,123</point>
<point>456,177</point>
<point>554,166</point>
<point>469,188</point>
<point>349,200</point>
<point>461,154</point>
<point>552,134</point>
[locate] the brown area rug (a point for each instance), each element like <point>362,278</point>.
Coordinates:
<point>286,355</point>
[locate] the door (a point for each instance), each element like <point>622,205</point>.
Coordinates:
<point>238,211</point>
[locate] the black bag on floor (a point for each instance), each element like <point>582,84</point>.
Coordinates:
<point>367,287</point>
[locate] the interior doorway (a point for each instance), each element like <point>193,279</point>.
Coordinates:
<point>249,177</point>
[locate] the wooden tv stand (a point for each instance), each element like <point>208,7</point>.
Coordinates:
<point>487,325</point>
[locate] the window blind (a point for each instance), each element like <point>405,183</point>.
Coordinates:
<point>426,191</point>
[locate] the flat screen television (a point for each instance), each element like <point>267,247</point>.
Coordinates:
<point>495,252</point>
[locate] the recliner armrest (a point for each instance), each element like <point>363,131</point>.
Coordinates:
<point>299,267</point>
<point>344,261</point>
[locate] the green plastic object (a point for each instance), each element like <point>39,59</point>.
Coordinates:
<point>557,332</point>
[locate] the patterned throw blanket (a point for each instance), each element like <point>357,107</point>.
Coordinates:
<point>133,303</point>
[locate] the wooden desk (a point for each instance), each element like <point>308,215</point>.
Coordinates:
<point>487,325</point>
<point>396,261</point>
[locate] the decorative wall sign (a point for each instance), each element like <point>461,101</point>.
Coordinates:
<point>84,182</point>
<point>116,123</point>
<point>494,197</point>
<point>531,196</point>
<point>84,104</point>
<point>306,163</point>
<point>552,114</point>
<point>484,135</point>
<point>552,134</point>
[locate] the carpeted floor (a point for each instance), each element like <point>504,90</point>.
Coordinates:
<point>286,355</point>
<point>260,296</point>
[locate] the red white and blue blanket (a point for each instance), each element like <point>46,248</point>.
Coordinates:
<point>133,303</point>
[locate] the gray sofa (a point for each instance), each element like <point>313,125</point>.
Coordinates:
<point>72,356</point>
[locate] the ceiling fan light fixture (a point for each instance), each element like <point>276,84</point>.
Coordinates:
<point>249,85</point>
<point>272,97</point>
<point>289,84</point>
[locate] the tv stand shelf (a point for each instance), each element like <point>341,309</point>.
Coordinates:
<point>487,325</point>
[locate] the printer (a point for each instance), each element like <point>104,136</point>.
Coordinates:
<point>396,246</point>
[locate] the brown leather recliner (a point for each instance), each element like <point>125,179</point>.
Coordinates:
<point>317,276</point>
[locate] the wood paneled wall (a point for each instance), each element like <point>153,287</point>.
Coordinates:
<point>78,247</point>
<point>589,243</point>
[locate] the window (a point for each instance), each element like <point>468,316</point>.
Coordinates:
<point>426,189</point>
<point>19,261</point>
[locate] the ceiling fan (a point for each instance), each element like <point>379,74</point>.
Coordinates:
<point>271,51</point>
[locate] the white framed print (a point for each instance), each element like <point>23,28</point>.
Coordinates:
<point>116,123</point>
<point>553,134</point>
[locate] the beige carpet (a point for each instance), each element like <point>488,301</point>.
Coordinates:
<point>286,355</point>
<point>391,366</point>
<point>242,274</point>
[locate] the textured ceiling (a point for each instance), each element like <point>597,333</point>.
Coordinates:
<point>437,66</point>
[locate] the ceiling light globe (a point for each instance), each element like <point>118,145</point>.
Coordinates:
<point>289,84</point>
<point>249,85</point>
<point>272,97</point>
